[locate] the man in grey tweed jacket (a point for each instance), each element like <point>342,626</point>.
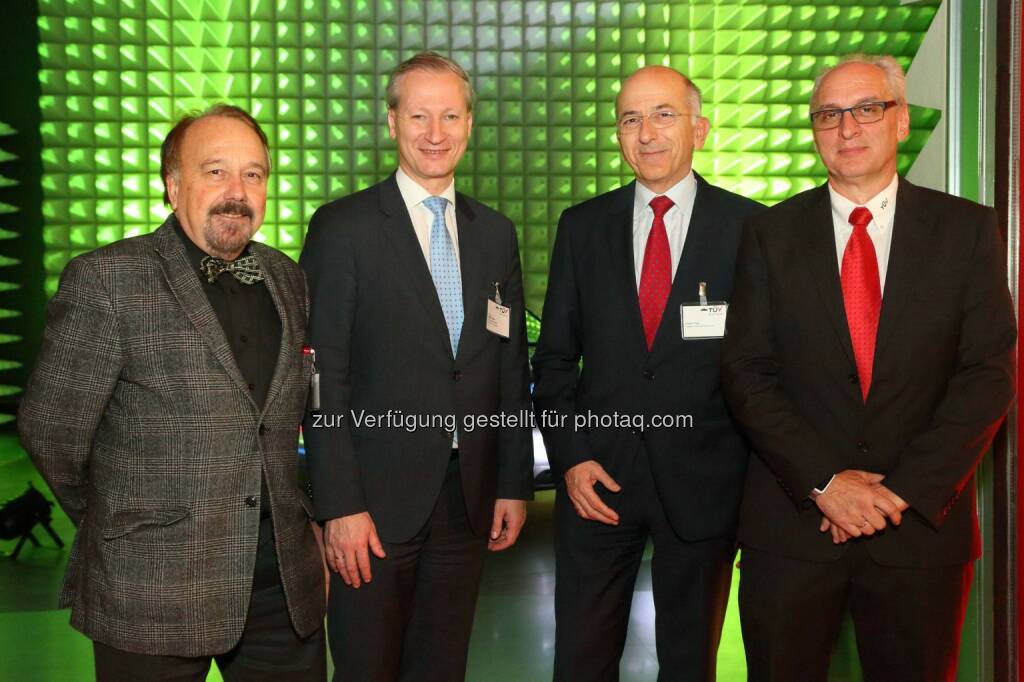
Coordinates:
<point>164,414</point>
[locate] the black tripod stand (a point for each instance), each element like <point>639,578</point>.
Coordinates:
<point>19,516</point>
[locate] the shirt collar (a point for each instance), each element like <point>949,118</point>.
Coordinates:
<point>414,193</point>
<point>881,205</point>
<point>682,193</point>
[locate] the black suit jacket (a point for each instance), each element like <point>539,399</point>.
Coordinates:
<point>592,311</point>
<point>941,381</point>
<point>382,345</point>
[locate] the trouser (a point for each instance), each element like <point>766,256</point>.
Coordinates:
<point>596,568</point>
<point>907,620</point>
<point>412,622</point>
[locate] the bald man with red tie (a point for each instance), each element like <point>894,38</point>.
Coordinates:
<point>627,268</point>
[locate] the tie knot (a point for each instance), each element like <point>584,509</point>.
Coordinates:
<point>661,205</point>
<point>860,217</point>
<point>437,205</point>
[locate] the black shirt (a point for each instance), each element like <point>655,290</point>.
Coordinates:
<point>249,318</point>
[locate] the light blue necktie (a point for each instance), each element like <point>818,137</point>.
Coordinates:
<point>444,268</point>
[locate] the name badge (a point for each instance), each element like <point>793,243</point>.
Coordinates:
<point>498,316</point>
<point>703,321</point>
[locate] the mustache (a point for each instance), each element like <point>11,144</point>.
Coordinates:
<point>233,207</point>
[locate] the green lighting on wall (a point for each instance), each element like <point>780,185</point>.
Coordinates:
<point>8,289</point>
<point>115,73</point>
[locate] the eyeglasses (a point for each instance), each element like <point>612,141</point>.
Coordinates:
<point>662,118</point>
<point>869,112</point>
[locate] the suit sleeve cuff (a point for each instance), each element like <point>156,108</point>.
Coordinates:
<point>932,508</point>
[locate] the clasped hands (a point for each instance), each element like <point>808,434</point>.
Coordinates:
<point>858,504</point>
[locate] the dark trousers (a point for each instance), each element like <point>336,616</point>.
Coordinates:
<point>596,568</point>
<point>412,622</point>
<point>269,649</point>
<point>907,620</point>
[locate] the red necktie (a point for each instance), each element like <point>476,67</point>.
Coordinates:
<point>862,295</point>
<point>656,275</point>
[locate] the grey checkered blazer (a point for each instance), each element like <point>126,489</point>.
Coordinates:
<point>139,419</point>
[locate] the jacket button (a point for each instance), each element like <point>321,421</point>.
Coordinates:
<point>648,374</point>
<point>456,375</point>
<point>854,379</point>
<point>251,501</point>
<point>263,429</point>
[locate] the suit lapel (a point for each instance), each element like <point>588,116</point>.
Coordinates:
<point>186,287</point>
<point>620,251</point>
<point>820,251</point>
<point>908,255</point>
<point>474,290</point>
<point>398,229</point>
<point>277,294</point>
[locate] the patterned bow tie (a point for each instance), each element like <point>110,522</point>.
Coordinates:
<point>246,270</point>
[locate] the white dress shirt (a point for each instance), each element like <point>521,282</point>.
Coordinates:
<point>677,221</point>
<point>423,218</point>
<point>883,208</point>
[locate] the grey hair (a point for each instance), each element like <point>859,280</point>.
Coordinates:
<point>895,79</point>
<point>427,61</point>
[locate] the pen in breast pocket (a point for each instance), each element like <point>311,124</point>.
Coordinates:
<point>314,379</point>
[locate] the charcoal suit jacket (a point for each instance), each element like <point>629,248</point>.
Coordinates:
<point>941,384</point>
<point>592,311</point>
<point>383,347</point>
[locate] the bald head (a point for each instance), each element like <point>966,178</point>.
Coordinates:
<point>657,78</point>
<point>659,126</point>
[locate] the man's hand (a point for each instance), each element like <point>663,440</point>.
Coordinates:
<point>897,502</point>
<point>839,536</point>
<point>509,517</point>
<point>857,504</point>
<point>579,485</point>
<point>348,541</point>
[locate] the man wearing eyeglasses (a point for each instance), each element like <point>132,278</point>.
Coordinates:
<point>639,437</point>
<point>868,357</point>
